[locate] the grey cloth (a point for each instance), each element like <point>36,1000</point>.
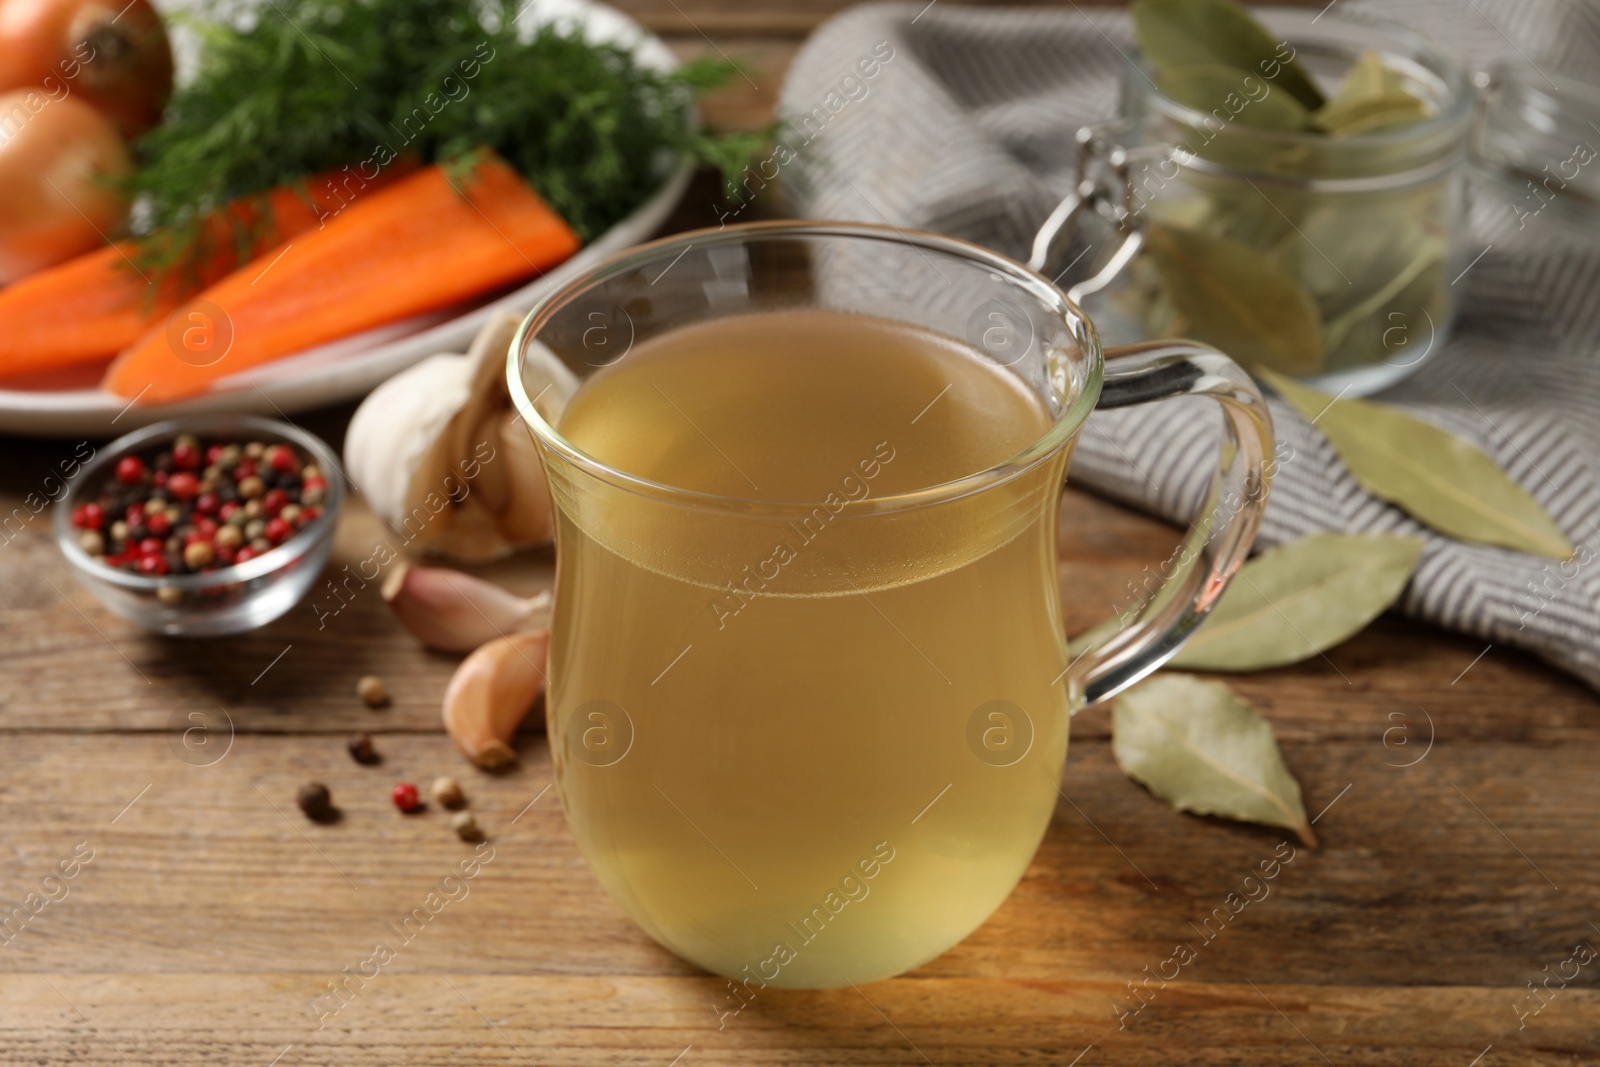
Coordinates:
<point>967,129</point>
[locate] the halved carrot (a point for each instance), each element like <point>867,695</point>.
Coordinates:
<point>417,246</point>
<point>92,307</point>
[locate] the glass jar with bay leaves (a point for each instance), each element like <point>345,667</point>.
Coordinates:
<point>1291,191</point>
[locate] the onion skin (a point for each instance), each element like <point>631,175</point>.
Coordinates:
<point>54,204</point>
<point>114,57</point>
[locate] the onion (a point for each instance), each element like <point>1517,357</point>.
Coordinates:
<point>54,202</point>
<point>112,56</point>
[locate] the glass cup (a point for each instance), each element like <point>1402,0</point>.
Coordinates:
<point>814,743</point>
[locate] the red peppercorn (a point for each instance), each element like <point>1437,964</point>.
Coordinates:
<point>314,483</point>
<point>273,501</point>
<point>88,516</point>
<point>186,456</point>
<point>244,469</point>
<point>183,485</point>
<point>213,455</point>
<point>278,531</point>
<point>158,524</point>
<point>227,509</point>
<point>152,564</point>
<point>159,479</point>
<point>206,503</point>
<point>309,513</point>
<point>245,555</point>
<point>281,458</point>
<point>130,470</point>
<point>223,555</point>
<point>152,546</point>
<point>406,798</point>
<point>207,528</point>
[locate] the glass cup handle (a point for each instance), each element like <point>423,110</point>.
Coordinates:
<point>1220,539</point>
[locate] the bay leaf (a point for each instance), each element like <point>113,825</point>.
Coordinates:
<point>1371,97</point>
<point>1187,33</point>
<point>1199,747</point>
<point>1238,299</point>
<point>1299,599</point>
<point>1427,252</point>
<point>1389,112</point>
<point>1438,478</point>
<point>1233,95</point>
<point>1403,331</point>
<point>1367,77</point>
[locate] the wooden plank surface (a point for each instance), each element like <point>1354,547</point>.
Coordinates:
<point>1459,863</point>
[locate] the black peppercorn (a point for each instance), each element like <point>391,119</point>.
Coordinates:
<point>361,750</point>
<point>315,801</point>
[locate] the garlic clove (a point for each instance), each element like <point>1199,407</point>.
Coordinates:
<point>529,515</point>
<point>491,693</point>
<point>455,612</point>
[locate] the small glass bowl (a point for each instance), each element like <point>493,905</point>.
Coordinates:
<point>229,600</point>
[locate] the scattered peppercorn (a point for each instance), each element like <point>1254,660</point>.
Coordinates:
<point>372,691</point>
<point>315,801</point>
<point>405,798</point>
<point>195,506</point>
<point>447,791</point>
<point>360,748</point>
<point>465,826</point>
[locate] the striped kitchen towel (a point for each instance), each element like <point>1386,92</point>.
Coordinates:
<point>961,121</point>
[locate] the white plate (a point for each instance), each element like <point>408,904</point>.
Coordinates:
<point>352,366</point>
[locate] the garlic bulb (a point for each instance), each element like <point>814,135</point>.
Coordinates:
<point>442,456</point>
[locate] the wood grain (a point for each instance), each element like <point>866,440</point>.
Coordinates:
<point>653,1022</point>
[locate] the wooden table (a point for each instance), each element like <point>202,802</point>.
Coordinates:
<point>1457,787</point>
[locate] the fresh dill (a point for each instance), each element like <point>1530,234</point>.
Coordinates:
<point>294,87</point>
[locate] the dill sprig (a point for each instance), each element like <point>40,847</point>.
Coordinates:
<point>300,86</point>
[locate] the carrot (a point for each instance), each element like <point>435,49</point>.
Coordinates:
<point>417,246</point>
<point>92,307</point>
